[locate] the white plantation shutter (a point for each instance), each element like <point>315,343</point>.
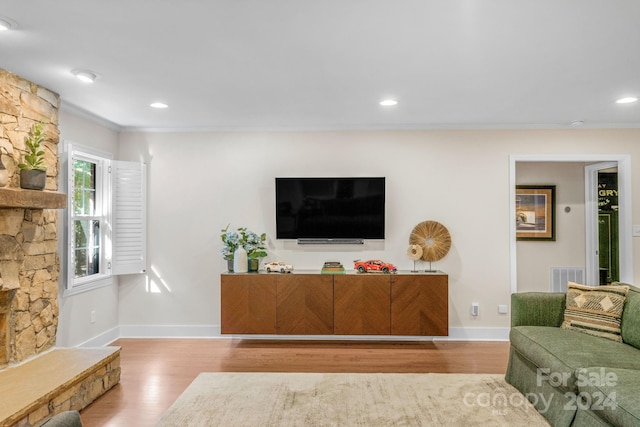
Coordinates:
<point>129,217</point>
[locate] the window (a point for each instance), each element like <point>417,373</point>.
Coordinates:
<point>105,218</point>
<point>89,263</point>
<point>86,219</point>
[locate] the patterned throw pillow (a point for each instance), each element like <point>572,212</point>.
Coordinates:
<point>595,310</point>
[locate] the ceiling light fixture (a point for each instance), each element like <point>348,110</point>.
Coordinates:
<point>158,105</point>
<point>388,102</point>
<point>7,24</point>
<point>85,76</point>
<point>627,100</point>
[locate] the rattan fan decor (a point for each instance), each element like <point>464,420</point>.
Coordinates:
<point>433,237</point>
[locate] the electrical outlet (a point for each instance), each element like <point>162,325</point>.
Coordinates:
<point>475,309</point>
<point>503,309</point>
<point>93,316</point>
<point>636,230</point>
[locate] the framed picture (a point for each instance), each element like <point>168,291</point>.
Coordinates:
<point>535,212</point>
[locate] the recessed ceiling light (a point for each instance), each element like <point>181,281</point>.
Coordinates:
<point>7,24</point>
<point>85,76</point>
<point>159,105</point>
<point>627,100</point>
<point>388,102</point>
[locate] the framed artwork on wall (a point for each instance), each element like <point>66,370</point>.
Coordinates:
<point>535,212</point>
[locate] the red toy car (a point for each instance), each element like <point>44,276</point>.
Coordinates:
<point>374,265</point>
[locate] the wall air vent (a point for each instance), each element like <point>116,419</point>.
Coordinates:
<point>561,275</point>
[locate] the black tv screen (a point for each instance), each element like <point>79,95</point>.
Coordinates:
<point>330,208</point>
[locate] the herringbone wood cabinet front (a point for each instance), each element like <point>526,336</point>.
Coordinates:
<point>362,304</point>
<point>304,304</point>
<point>407,304</point>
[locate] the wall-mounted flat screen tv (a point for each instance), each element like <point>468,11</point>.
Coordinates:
<point>330,208</point>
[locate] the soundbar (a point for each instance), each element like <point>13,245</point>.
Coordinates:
<point>331,241</point>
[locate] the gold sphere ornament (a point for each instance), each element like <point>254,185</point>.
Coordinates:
<point>414,252</point>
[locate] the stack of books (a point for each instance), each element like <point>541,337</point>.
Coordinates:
<point>332,267</point>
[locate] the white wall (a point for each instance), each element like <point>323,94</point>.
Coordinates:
<point>200,182</point>
<point>536,258</point>
<point>74,323</point>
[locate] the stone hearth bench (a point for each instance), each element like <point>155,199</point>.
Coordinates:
<point>60,380</point>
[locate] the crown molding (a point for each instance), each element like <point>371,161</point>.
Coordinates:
<point>75,110</point>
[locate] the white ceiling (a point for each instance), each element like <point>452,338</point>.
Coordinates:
<point>296,64</point>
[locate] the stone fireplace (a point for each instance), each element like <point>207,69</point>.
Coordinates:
<point>28,273</point>
<point>4,329</point>
<point>60,379</point>
<point>29,262</point>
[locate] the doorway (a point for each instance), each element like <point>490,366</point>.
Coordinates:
<point>623,164</point>
<point>603,205</point>
<point>608,236</point>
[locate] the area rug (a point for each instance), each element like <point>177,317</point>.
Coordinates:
<point>314,399</point>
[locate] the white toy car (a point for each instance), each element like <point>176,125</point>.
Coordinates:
<point>280,267</point>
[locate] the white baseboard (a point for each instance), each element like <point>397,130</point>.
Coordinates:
<point>207,331</point>
<point>170,331</point>
<point>477,334</point>
<point>103,339</point>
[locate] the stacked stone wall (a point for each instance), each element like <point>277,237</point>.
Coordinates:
<point>29,262</point>
<point>75,395</point>
<point>75,398</point>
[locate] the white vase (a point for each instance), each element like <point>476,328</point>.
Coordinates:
<point>240,262</point>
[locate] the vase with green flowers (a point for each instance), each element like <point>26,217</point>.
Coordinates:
<point>253,243</point>
<point>230,242</point>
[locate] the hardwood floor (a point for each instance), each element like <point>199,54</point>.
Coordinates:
<point>156,371</point>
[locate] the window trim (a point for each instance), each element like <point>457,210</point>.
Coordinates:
<point>71,286</point>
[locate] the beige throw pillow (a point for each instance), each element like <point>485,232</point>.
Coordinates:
<point>595,310</point>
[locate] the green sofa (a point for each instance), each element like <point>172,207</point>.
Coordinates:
<point>573,378</point>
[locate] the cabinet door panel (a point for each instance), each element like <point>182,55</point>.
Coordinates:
<point>305,304</point>
<point>248,304</point>
<point>362,304</point>
<point>420,305</point>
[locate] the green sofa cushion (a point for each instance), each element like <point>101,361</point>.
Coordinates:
<point>631,318</point>
<point>612,394</point>
<point>537,309</point>
<point>561,352</point>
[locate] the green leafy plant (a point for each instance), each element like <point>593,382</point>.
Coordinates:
<point>34,158</point>
<point>253,243</point>
<point>230,242</point>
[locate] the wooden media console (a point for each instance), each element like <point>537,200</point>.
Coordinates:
<point>310,303</point>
